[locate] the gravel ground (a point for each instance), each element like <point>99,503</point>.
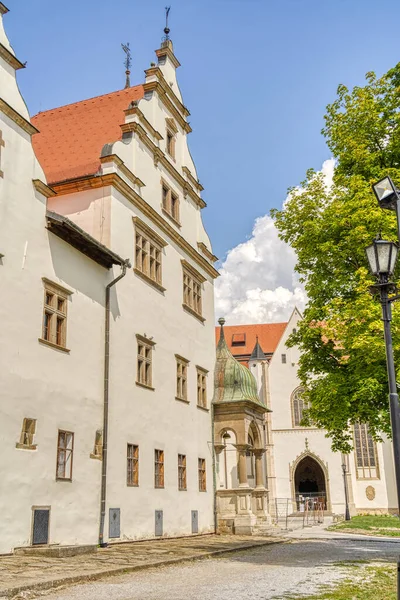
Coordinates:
<point>264,573</point>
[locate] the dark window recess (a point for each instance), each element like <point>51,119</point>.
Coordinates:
<point>159,523</point>
<point>41,519</point>
<point>283,356</point>
<point>239,339</point>
<point>195,521</point>
<point>114,525</point>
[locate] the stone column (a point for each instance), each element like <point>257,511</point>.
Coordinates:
<point>242,449</point>
<point>258,453</point>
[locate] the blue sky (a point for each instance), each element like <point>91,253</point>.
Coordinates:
<point>256,76</point>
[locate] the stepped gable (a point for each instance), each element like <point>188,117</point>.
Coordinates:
<point>71,137</point>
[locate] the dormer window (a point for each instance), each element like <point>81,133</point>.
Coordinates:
<point>239,339</point>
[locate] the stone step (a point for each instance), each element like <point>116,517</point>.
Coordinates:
<point>55,551</point>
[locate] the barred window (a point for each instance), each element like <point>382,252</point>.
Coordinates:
<point>299,405</point>
<point>365,453</point>
<point>181,377</point>
<point>182,472</point>
<point>132,467</point>
<point>54,328</point>
<point>144,361</point>
<point>159,468</point>
<point>202,475</point>
<point>201,387</point>
<point>65,449</point>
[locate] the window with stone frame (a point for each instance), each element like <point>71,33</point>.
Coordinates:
<point>192,289</point>
<point>181,377</point>
<point>365,453</point>
<point>65,450</point>
<point>98,445</point>
<point>132,465</point>
<point>182,484</point>
<point>170,143</point>
<point>299,406</point>
<point>202,475</point>
<point>201,387</point>
<point>144,361</point>
<point>54,328</point>
<point>170,202</point>
<point>26,440</point>
<point>159,468</point>
<point>148,253</point>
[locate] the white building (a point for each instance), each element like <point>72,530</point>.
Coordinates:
<point>299,462</point>
<point>105,428</point>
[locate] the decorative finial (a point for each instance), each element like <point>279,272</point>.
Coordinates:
<point>166,28</point>
<point>127,63</point>
<point>221,321</point>
<point>257,339</point>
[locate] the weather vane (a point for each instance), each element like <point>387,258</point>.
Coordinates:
<point>166,28</point>
<point>127,63</point>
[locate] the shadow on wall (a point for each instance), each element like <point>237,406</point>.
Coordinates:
<point>82,273</point>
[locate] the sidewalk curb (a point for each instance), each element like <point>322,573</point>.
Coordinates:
<point>85,578</point>
<point>360,538</point>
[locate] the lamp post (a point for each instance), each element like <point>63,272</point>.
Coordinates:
<point>382,257</point>
<point>346,491</point>
<point>388,197</point>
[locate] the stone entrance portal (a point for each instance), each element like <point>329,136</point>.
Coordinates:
<point>309,480</point>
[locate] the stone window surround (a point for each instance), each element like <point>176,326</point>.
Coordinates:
<point>153,240</point>
<point>57,293</point>
<point>144,380</point>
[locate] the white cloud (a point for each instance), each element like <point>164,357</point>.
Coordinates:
<point>258,283</point>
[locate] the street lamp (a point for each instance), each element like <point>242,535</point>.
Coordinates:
<point>346,491</point>
<point>382,257</point>
<point>388,197</point>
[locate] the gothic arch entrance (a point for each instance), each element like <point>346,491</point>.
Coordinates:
<point>309,480</point>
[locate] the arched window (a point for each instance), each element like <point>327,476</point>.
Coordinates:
<point>365,453</point>
<point>249,458</point>
<point>299,405</point>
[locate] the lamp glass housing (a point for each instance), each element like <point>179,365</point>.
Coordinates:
<point>382,257</point>
<point>386,193</point>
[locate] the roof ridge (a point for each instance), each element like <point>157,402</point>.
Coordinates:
<point>42,112</point>
<point>257,324</point>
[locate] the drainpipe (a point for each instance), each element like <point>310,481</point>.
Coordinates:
<point>213,468</point>
<point>126,265</point>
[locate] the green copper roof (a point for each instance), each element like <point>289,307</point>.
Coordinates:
<point>233,381</point>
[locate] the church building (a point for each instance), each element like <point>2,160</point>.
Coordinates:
<point>299,467</point>
<point>107,342</point>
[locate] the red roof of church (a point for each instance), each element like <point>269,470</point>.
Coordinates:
<point>244,337</point>
<point>71,137</point>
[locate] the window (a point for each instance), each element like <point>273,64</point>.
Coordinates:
<point>27,435</point>
<point>144,361</point>
<point>170,144</point>
<point>201,387</point>
<point>239,339</point>
<point>98,445</point>
<point>54,329</point>
<point>202,475</point>
<point>283,358</point>
<point>181,377</point>
<point>132,466</point>
<point>182,472</point>
<point>192,282</point>
<point>298,407</point>
<point>170,202</point>
<point>159,468</point>
<point>365,453</point>
<point>65,449</point>
<point>294,330</point>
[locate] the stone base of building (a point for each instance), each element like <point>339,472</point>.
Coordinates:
<point>243,511</point>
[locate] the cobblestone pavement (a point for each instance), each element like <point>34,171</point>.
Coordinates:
<point>24,571</point>
<point>263,573</point>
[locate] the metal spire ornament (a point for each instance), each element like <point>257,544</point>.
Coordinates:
<point>166,28</point>
<point>127,63</point>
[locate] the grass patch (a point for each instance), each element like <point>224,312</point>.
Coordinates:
<point>378,525</point>
<point>373,583</point>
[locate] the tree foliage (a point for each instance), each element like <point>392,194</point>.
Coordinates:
<point>342,364</point>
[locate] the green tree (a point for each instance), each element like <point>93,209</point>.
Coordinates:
<point>342,364</point>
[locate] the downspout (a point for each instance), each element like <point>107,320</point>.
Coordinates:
<point>126,265</point>
<point>213,468</point>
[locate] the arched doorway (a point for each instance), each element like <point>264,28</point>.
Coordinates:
<point>309,481</point>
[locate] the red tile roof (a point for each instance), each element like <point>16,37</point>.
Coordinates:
<point>71,137</point>
<point>269,335</point>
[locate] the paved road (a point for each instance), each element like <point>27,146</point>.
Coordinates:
<point>264,573</point>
